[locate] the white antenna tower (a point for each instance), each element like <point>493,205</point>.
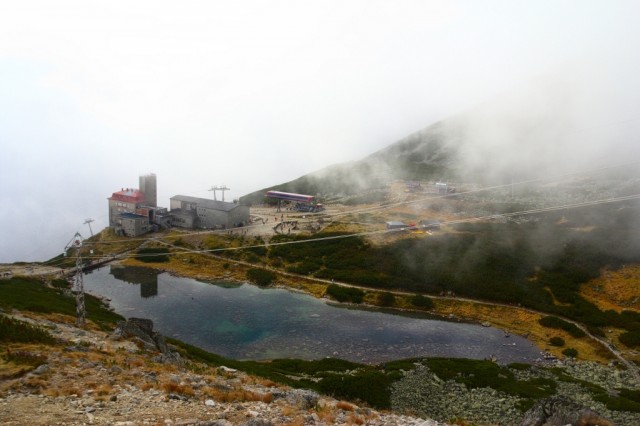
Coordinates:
<point>88,222</point>
<point>81,313</point>
<point>219,188</point>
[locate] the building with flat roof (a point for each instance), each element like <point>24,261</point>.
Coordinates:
<point>132,225</point>
<point>202,213</point>
<point>124,201</point>
<point>132,211</point>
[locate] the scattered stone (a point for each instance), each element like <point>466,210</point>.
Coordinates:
<point>41,369</point>
<point>177,397</point>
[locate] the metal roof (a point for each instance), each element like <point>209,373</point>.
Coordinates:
<point>206,203</point>
<point>129,195</point>
<point>290,196</point>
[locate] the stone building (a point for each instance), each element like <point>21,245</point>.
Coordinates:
<point>132,225</point>
<point>202,213</point>
<point>132,211</point>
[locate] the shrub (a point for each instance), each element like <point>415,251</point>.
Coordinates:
<point>631,339</point>
<point>60,283</point>
<point>12,330</point>
<point>570,352</point>
<point>345,294</point>
<point>25,357</point>
<point>386,299</point>
<point>372,387</point>
<point>556,341</point>
<point>261,277</point>
<point>557,323</point>
<point>422,302</point>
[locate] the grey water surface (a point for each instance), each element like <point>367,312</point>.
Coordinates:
<point>249,322</point>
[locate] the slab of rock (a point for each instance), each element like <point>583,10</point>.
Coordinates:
<point>559,411</point>
<point>142,329</point>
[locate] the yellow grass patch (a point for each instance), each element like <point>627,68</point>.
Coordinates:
<point>525,323</point>
<point>618,290</point>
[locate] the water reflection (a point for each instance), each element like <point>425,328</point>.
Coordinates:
<point>146,277</point>
<point>248,322</point>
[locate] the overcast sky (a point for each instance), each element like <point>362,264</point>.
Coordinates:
<point>254,93</point>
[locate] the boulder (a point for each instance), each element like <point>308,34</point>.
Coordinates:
<point>142,329</point>
<point>559,411</point>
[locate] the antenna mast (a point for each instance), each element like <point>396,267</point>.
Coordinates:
<point>88,222</point>
<point>81,313</point>
<point>214,189</point>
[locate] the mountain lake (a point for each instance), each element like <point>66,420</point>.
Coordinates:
<point>246,322</point>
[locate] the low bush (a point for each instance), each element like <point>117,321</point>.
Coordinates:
<point>25,357</point>
<point>570,352</point>
<point>12,330</point>
<point>386,299</point>
<point>557,323</point>
<point>421,301</point>
<point>345,294</point>
<point>261,277</point>
<point>370,386</point>
<point>60,283</point>
<point>631,339</point>
<point>556,341</point>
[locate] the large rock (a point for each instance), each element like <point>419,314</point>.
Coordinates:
<point>558,411</point>
<point>142,329</point>
<point>301,398</point>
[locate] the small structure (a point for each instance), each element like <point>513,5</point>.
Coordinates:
<point>128,213</point>
<point>429,224</point>
<point>303,203</point>
<point>132,225</point>
<point>444,188</point>
<point>193,212</point>
<point>396,225</point>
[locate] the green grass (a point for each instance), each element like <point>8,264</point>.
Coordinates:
<point>30,294</point>
<point>373,384</point>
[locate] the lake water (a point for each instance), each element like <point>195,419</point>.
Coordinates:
<point>248,322</point>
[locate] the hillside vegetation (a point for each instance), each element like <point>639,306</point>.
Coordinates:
<point>105,372</point>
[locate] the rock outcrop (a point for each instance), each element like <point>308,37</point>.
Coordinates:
<point>559,411</point>
<point>141,329</point>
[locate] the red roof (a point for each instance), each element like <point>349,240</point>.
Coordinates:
<point>128,195</point>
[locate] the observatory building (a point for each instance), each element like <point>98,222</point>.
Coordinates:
<point>133,211</point>
<point>193,212</point>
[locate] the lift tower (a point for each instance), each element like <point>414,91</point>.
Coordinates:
<point>81,313</point>
<point>219,188</point>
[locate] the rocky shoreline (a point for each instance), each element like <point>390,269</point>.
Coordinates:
<point>111,379</point>
<point>423,393</point>
<point>133,377</point>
